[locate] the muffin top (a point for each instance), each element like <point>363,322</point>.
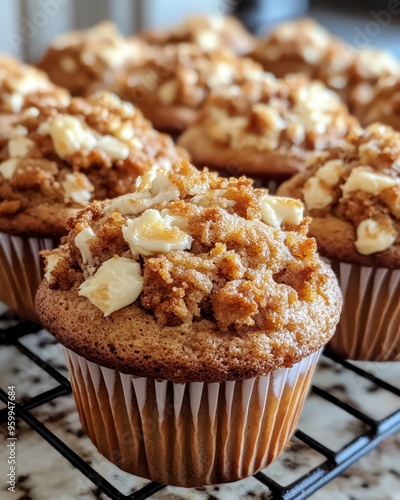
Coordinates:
<point>208,32</point>
<point>383,104</point>
<point>192,277</point>
<point>22,86</point>
<point>56,160</point>
<point>302,39</point>
<point>82,60</point>
<point>183,75</point>
<point>353,195</point>
<point>292,114</point>
<point>324,57</point>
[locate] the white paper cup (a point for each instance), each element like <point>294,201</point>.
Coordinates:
<point>369,326</point>
<point>21,271</point>
<point>189,434</point>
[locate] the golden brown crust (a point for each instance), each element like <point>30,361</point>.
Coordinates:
<point>246,161</point>
<point>50,182</point>
<point>131,341</point>
<point>334,226</point>
<point>81,59</point>
<point>179,78</point>
<point>267,125</point>
<point>242,286</point>
<point>208,32</point>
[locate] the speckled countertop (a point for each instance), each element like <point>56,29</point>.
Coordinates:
<point>45,475</point>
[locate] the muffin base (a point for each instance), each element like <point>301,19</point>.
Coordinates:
<point>21,271</point>
<point>369,327</point>
<point>189,434</point>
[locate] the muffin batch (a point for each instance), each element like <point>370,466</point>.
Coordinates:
<point>192,305</point>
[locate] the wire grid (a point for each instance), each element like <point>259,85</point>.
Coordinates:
<point>335,463</point>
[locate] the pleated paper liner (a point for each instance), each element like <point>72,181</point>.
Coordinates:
<point>189,434</point>
<point>21,271</point>
<point>369,327</point>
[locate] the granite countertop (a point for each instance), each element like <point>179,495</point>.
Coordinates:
<point>45,475</point>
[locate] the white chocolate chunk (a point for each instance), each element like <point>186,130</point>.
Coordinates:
<point>373,237</point>
<point>51,263</point>
<point>331,172</point>
<point>77,188</point>
<point>116,284</point>
<point>316,194</point>
<point>168,91</point>
<point>82,241</point>
<point>113,147</point>
<point>152,188</point>
<point>68,64</point>
<point>276,210</point>
<point>69,135</point>
<point>152,233</point>
<point>8,167</point>
<point>363,179</point>
<point>18,147</point>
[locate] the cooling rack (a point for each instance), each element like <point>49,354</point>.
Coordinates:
<point>334,463</point>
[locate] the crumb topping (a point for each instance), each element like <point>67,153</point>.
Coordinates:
<point>23,86</point>
<point>184,75</point>
<point>384,103</point>
<point>208,32</point>
<point>244,263</point>
<point>266,113</point>
<point>359,182</point>
<point>92,148</point>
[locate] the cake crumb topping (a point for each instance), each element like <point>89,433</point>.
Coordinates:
<point>245,263</point>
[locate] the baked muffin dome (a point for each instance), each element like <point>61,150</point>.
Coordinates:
<point>267,126</point>
<point>353,196</point>
<point>23,86</point>
<point>304,46</point>
<point>191,278</point>
<point>56,160</point>
<point>173,83</point>
<point>208,32</point>
<point>91,59</point>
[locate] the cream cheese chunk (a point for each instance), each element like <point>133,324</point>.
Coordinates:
<point>152,188</point>
<point>331,172</point>
<point>77,188</point>
<point>82,241</point>
<point>116,284</point>
<point>363,179</point>
<point>373,237</point>
<point>8,167</point>
<point>51,263</point>
<point>151,233</point>
<point>276,210</point>
<point>69,135</point>
<point>19,146</point>
<point>316,194</point>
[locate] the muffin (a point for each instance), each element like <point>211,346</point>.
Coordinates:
<point>23,86</point>
<point>54,162</point>
<point>267,127</point>
<point>209,32</point>
<point>89,60</point>
<point>192,313</point>
<point>352,194</point>
<point>303,46</point>
<point>383,105</point>
<point>171,87</point>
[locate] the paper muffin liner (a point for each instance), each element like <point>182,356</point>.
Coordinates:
<point>189,434</point>
<point>21,271</point>
<point>369,327</point>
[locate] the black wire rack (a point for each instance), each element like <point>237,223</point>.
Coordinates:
<point>334,464</point>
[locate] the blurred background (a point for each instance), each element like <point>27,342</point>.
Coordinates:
<point>27,26</point>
